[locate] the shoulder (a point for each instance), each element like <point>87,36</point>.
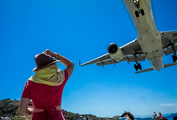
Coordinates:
<point>66,77</point>
<point>66,74</point>
<point>27,84</point>
<point>30,84</point>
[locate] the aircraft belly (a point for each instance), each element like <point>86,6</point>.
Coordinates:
<point>149,37</point>
<point>152,48</point>
<point>143,22</point>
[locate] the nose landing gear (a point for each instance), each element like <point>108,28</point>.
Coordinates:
<point>138,12</point>
<point>137,5</point>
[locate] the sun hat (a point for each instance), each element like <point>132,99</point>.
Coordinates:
<point>43,60</point>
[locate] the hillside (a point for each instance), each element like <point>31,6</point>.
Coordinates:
<point>8,108</point>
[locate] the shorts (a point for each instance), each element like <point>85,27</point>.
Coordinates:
<point>48,115</point>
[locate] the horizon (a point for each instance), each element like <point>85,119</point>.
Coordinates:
<point>82,30</point>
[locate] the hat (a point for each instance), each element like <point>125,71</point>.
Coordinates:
<point>43,60</point>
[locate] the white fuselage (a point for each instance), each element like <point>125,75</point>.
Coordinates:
<point>149,37</point>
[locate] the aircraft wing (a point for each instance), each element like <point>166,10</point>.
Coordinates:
<point>127,50</point>
<point>167,41</point>
<point>130,47</point>
<point>98,59</point>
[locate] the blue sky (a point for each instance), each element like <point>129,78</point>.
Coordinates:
<point>82,30</point>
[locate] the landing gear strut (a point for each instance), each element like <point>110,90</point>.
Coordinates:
<point>137,65</point>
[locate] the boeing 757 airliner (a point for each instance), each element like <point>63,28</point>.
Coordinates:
<point>150,44</point>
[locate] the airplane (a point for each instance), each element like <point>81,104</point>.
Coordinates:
<point>151,43</point>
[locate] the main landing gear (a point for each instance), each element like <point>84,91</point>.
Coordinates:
<point>137,66</point>
<point>174,58</point>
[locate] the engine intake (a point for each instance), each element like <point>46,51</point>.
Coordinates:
<point>115,52</point>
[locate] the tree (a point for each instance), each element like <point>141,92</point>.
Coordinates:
<point>8,108</point>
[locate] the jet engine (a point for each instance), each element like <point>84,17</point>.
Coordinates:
<point>115,52</point>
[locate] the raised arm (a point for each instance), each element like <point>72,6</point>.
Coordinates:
<point>69,65</point>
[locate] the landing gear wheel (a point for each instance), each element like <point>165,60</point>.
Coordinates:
<point>139,66</point>
<point>137,13</point>
<point>136,67</point>
<point>174,58</point>
<point>142,12</point>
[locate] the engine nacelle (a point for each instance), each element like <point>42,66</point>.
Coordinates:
<point>115,52</point>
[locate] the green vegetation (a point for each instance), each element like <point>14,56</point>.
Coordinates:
<point>9,108</point>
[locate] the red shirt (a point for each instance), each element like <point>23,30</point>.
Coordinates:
<point>44,96</point>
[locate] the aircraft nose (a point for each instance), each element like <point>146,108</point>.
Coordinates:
<point>157,64</point>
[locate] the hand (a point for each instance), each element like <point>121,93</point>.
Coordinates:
<point>35,110</point>
<point>30,109</point>
<point>128,118</point>
<point>49,52</point>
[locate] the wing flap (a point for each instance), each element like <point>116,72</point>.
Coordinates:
<point>106,62</point>
<point>132,58</point>
<point>167,38</point>
<point>127,58</point>
<point>167,41</point>
<point>98,59</point>
<point>131,46</point>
